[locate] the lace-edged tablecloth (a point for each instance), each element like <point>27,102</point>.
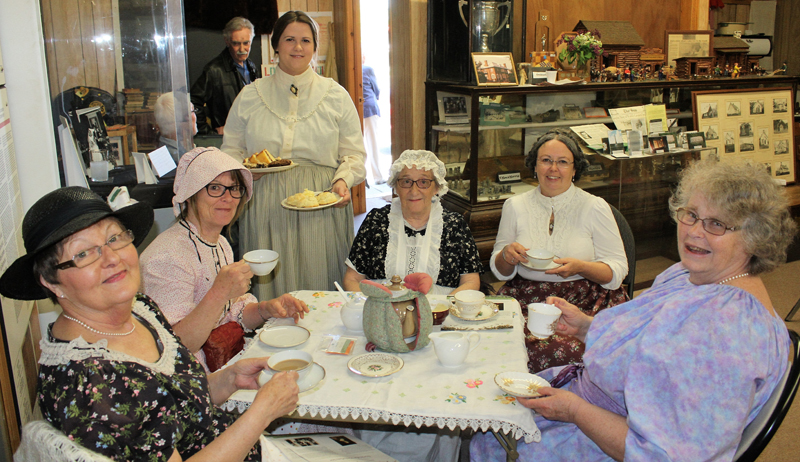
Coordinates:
<point>422,393</point>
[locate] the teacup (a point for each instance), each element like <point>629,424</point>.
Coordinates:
<point>469,302</point>
<point>440,310</point>
<point>539,258</point>
<point>261,262</point>
<point>542,318</point>
<point>292,360</point>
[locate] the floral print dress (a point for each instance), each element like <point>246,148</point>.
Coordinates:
<point>124,407</point>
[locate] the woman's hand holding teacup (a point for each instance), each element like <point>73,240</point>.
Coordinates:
<point>340,188</point>
<point>278,397</point>
<point>573,321</point>
<point>284,306</point>
<point>515,253</point>
<point>233,280</point>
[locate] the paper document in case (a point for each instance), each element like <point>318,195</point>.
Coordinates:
<point>162,161</point>
<point>328,447</point>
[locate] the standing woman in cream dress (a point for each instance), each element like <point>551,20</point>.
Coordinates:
<point>296,114</point>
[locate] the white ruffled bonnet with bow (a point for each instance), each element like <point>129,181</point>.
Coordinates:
<point>199,167</point>
<point>421,160</point>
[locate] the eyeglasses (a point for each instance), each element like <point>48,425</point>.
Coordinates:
<point>92,254</point>
<point>712,225</point>
<point>422,183</point>
<point>195,110</point>
<point>218,190</point>
<point>548,162</point>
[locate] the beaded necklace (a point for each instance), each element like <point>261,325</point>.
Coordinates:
<point>733,277</point>
<point>97,331</point>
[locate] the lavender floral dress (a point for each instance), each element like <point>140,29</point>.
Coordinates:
<point>126,408</point>
<point>688,365</point>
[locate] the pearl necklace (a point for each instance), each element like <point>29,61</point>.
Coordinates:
<point>97,331</point>
<point>732,278</point>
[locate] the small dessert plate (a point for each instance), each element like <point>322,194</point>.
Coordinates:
<point>314,377</point>
<point>273,169</point>
<point>488,311</point>
<point>552,265</point>
<point>284,336</point>
<point>520,384</point>
<point>375,364</point>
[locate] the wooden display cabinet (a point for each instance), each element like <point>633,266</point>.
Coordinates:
<point>504,132</point>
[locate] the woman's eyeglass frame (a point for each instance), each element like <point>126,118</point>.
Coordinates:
<point>708,223</point>
<point>422,183</point>
<point>548,162</point>
<point>116,242</point>
<point>234,189</point>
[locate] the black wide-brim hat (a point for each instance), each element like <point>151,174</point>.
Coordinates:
<point>58,215</point>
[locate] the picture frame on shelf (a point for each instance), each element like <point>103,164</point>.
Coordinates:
<point>572,112</point>
<point>754,126</point>
<point>687,44</point>
<point>494,114</point>
<point>454,108</point>
<point>658,144</point>
<point>494,69</point>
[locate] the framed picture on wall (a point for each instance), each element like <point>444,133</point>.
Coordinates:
<point>688,44</point>
<point>754,127</point>
<point>494,69</point>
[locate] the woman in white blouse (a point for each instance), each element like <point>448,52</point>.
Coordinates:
<point>577,227</point>
<point>296,114</point>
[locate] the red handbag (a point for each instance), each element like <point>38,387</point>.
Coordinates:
<point>223,344</point>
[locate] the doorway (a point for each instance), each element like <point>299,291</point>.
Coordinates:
<point>375,50</point>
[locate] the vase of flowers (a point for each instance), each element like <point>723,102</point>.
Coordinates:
<point>577,50</point>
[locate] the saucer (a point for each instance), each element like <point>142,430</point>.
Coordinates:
<point>314,377</point>
<point>552,265</point>
<point>520,384</point>
<point>375,364</point>
<point>488,311</point>
<point>284,336</point>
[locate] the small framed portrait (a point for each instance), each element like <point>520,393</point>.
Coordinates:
<point>780,105</point>
<point>780,126</point>
<point>708,110</point>
<point>453,108</point>
<point>494,69</point>
<point>756,106</point>
<point>733,108</point>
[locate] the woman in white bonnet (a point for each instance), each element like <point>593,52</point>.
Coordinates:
<point>415,234</point>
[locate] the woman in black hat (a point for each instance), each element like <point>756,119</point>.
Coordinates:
<point>112,375</point>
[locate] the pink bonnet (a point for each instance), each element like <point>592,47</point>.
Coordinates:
<point>199,167</point>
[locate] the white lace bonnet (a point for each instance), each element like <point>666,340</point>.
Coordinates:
<point>422,160</point>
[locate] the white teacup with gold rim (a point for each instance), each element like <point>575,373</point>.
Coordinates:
<point>542,319</point>
<point>539,258</point>
<point>468,303</point>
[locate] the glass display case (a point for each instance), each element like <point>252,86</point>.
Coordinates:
<point>483,133</point>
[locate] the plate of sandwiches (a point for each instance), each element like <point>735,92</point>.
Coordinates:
<point>311,200</point>
<point>264,162</point>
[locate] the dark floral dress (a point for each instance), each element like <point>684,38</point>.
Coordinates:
<point>458,252</point>
<point>126,408</point>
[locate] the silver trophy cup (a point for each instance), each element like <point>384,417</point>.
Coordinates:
<point>486,19</point>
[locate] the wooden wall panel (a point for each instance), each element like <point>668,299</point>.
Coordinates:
<point>106,55</point>
<point>284,5</point>
<point>67,41</point>
<point>49,46</point>
<point>787,29</point>
<point>88,51</point>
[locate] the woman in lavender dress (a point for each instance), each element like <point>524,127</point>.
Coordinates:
<point>678,372</point>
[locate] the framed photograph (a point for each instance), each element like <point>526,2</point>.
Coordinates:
<point>494,114</point>
<point>494,69</point>
<point>688,44</point>
<point>752,125</point>
<point>453,108</point>
<point>695,140</point>
<point>658,144</point>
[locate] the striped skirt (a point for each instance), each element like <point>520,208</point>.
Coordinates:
<point>313,245</point>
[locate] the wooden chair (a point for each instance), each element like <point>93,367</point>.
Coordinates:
<point>630,248</point>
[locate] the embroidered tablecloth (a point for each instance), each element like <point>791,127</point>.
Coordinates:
<point>422,393</point>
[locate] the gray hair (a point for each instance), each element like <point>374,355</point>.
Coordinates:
<point>748,197</point>
<point>164,112</point>
<point>238,23</point>
<point>569,140</point>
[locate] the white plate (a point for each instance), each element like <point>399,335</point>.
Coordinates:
<point>314,377</point>
<point>284,336</point>
<point>520,384</point>
<point>375,364</point>
<point>273,169</point>
<point>552,265</point>
<point>307,209</point>
<point>488,311</point>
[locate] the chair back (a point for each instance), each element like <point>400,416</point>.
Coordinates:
<point>760,431</point>
<point>630,248</point>
<point>41,442</point>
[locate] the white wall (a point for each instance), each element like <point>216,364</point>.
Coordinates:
<point>22,43</point>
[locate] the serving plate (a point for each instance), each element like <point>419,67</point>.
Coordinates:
<point>488,311</point>
<point>285,205</point>
<point>273,169</point>
<point>552,265</point>
<point>520,384</point>
<point>375,364</point>
<point>284,336</point>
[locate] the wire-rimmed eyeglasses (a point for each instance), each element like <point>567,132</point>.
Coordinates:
<point>88,256</point>
<point>712,225</point>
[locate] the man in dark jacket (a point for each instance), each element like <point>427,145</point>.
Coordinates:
<point>224,77</point>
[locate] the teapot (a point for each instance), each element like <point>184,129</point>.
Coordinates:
<point>398,317</point>
<point>452,348</point>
